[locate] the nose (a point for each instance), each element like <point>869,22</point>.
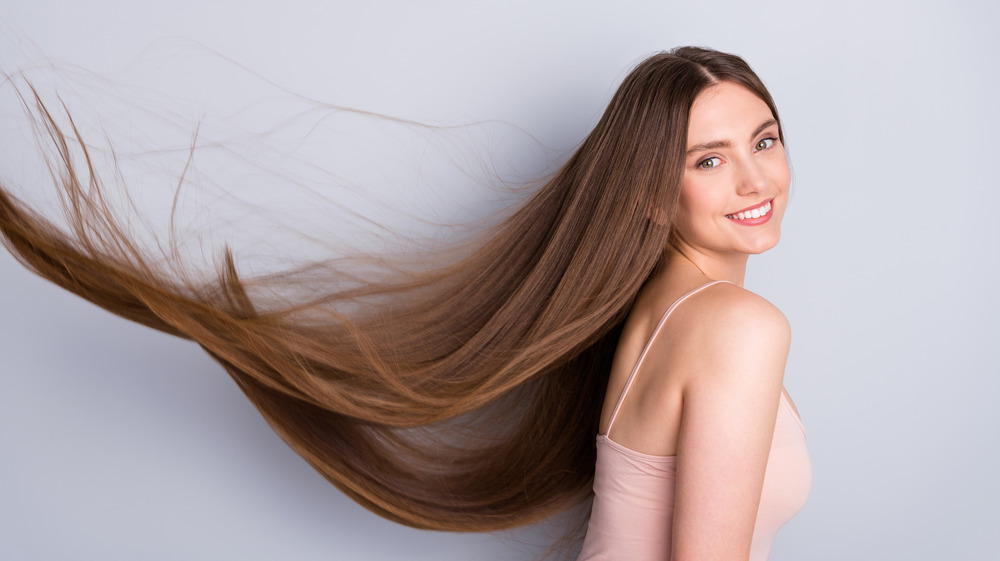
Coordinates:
<point>752,178</point>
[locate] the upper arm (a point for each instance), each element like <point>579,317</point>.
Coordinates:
<point>738,348</point>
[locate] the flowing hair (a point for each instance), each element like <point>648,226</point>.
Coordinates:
<point>461,398</point>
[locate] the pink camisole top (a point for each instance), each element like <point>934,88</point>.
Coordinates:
<point>632,514</point>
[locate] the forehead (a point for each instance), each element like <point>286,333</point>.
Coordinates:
<point>725,111</point>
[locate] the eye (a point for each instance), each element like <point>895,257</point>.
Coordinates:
<point>764,144</point>
<point>709,163</point>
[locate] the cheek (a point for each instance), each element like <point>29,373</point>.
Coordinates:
<point>786,180</point>
<point>701,199</point>
<point>685,207</point>
<point>695,207</point>
<point>781,175</point>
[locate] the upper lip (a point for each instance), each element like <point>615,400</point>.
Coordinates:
<point>749,208</point>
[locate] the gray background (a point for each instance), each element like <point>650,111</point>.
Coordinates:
<point>117,442</point>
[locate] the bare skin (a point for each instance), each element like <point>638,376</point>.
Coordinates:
<point>708,391</point>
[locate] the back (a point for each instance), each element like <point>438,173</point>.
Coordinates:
<point>633,509</point>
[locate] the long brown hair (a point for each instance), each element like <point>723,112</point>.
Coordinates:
<point>462,398</point>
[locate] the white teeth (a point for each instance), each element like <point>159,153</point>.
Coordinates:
<point>755,213</point>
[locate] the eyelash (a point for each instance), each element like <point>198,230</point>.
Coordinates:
<point>702,163</point>
<point>770,140</point>
<point>770,144</point>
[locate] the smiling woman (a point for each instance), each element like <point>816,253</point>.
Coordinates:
<point>735,173</point>
<point>700,446</point>
<point>468,397</point>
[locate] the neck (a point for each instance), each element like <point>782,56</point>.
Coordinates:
<point>732,267</point>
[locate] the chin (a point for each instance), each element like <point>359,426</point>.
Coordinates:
<point>762,245</point>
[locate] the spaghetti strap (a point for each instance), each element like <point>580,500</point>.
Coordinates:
<point>645,350</point>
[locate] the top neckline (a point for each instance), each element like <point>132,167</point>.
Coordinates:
<point>784,402</point>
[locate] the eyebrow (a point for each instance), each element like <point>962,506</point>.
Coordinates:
<point>725,143</point>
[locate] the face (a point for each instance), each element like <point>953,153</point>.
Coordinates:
<point>736,177</point>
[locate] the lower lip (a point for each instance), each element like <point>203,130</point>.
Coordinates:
<point>755,221</point>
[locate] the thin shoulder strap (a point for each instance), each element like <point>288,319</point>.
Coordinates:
<point>645,350</point>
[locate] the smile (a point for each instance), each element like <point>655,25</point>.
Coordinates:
<point>754,215</point>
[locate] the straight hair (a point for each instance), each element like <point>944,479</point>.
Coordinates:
<point>463,398</point>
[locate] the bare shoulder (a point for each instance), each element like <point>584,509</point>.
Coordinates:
<point>726,330</point>
<point>719,350</point>
<point>732,312</point>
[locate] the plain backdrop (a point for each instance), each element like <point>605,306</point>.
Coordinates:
<point>117,442</point>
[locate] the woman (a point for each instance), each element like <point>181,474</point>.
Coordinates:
<point>506,353</point>
<point>692,403</point>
